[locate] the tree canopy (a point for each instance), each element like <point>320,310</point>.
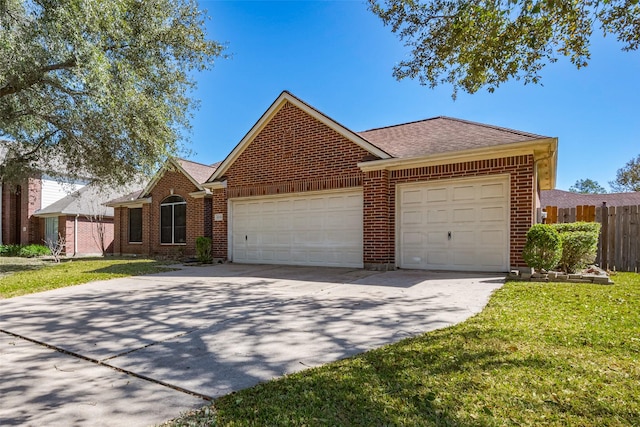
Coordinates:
<point>628,177</point>
<point>587,186</point>
<point>475,44</point>
<point>92,88</point>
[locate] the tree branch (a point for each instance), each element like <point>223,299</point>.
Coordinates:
<point>11,88</point>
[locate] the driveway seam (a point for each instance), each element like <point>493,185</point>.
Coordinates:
<point>107,365</point>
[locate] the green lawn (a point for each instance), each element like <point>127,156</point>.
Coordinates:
<point>540,354</point>
<point>20,276</point>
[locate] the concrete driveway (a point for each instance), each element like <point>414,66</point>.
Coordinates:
<point>139,351</point>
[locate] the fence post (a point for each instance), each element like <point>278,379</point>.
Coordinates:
<point>604,237</point>
<point>634,237</point>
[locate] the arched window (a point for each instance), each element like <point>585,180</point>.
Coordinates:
<point>173,220</point>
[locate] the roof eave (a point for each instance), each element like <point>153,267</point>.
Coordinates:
<point>544,151</point>
<point>136,203</point>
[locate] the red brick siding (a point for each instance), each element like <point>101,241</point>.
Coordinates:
<point>378,220</point>
<point>87,237</point>
<point>121,243</point>
<point>294,146</point>
<point>520,169</point>
<point>293,153</point>
<point>196,226</point>
<point>219,228</point>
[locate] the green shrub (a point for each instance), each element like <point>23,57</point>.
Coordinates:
<point>543,248</point>
<point>203,249</point>
<point>30,251</point>
<point>10,250</point>
<point>579,244</point>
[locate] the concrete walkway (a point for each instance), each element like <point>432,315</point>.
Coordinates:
<point>138,351</point>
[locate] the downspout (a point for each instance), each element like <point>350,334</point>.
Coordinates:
<point>75,236</point>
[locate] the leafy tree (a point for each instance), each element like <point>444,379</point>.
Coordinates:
<point>587,186</point>
<point>475,44</point>
<point>627,177</point>
<point>97,88</point>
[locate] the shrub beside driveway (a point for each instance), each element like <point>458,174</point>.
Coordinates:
<point>539,354</point>
<point>20,276</point>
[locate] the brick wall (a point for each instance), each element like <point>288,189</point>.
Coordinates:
<point>19,226</point>
<point>88,236</point>
<point>171,183</point>
<point>121,243</point>
<point>293,153</point>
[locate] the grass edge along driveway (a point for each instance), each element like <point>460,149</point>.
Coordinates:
<point>539,354</point>
<point>44,277</point>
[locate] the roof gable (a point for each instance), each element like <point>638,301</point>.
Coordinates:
<point>197,173</point>
<point>284,98</point>
<point>442,135</point>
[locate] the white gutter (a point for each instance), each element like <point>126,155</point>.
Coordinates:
<point>75,236</point>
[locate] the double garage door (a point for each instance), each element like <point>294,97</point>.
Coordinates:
<point>454,225</point>
<point>323,229</point>
<point>445,225</point>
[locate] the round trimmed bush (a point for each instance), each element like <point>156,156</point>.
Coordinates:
<point>543,248</point>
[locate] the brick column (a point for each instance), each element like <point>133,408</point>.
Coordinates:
<point>219,228</point>
<point>378,221</point>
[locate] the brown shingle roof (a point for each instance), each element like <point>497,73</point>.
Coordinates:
<point>198,171</point>
<point>567,199</point>
<point>441,135</point>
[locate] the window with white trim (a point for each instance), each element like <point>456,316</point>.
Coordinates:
<point>173,220</point>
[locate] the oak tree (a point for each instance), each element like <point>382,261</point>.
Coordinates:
<point>474,44</point>
<point>97,88</point>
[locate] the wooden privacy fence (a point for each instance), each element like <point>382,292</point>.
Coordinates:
<point>619,243</point>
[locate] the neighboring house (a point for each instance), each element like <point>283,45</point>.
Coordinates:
<point>19,203</point>
<point>568,199</point>
<point>41,207</point>
<point>167,216</point>
<point>302,189</point>
<point>82,219</point>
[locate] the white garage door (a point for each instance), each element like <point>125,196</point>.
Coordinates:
<point>323,229</point>
<point>455,225</point>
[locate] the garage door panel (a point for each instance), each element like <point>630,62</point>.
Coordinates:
<point>475,211</point>
<point>434,195</point>
<point>493,191</point>
<point>464,214</point>
<point>464,193</point>
<point>440,216</point>
<point>493,213</point>
<point>320,229</point>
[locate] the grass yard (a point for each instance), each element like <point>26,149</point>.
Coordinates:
<point>553,354</point>
<point>20,276</point>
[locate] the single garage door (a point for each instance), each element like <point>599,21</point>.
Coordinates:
<point>323,229</point>
<point>458,225</point>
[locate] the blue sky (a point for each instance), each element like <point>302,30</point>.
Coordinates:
<point>338,57</point>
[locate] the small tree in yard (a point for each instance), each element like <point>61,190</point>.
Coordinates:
<point>543,248</point>
<point>56,247</point>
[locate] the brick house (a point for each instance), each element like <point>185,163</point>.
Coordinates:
<point>42,207</point>
<point>166,216</point>
<point>302,189</point>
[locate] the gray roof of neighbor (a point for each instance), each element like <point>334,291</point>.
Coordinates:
<point>441,135</point>
<point>568,199</point>
<point>89,200</point>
